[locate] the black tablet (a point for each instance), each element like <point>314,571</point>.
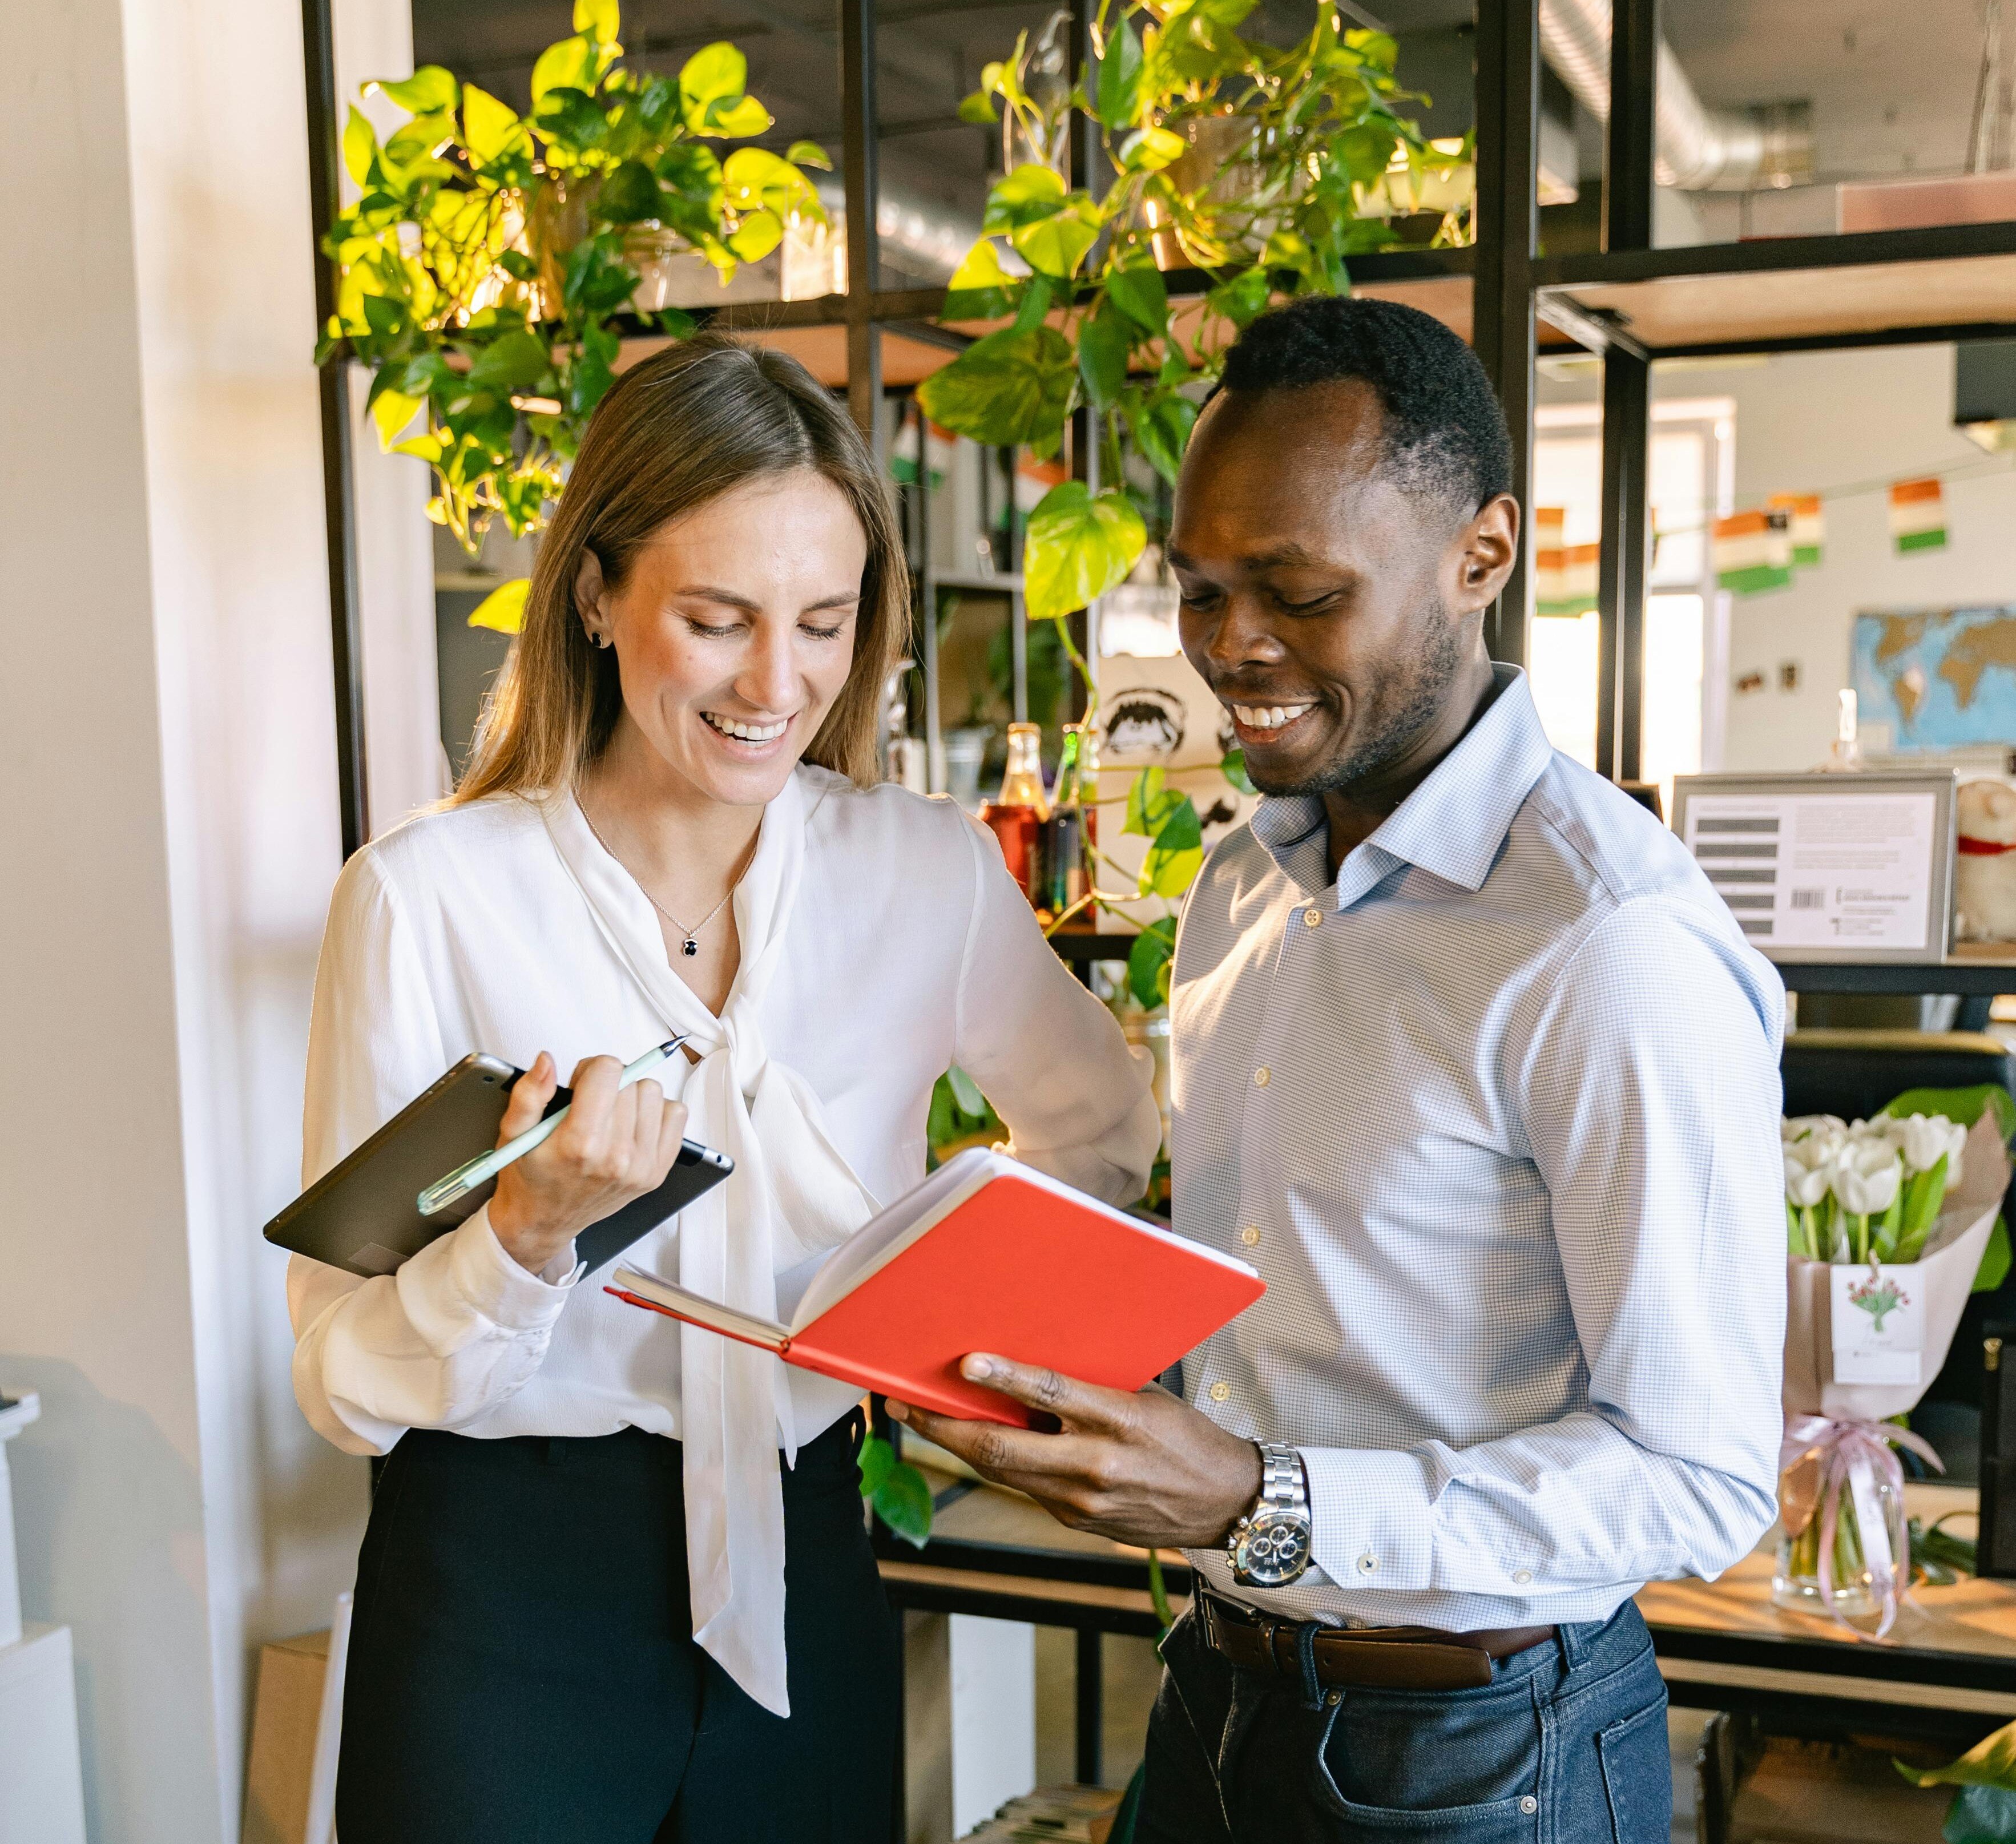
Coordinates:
<point>363,1215</point>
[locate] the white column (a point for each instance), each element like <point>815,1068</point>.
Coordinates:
<point>169,836</point>
<point>993,1716</point>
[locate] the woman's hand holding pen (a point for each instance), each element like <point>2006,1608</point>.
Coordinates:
<point>616,1144</point>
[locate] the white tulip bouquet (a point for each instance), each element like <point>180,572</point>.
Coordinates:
<point>1872,1190</point>
<point>1889,1223</point>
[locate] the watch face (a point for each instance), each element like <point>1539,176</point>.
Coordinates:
<point>1273,1550</point>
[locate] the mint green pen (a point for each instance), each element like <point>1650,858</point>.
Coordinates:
<point>485,1166</point>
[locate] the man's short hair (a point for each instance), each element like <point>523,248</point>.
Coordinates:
<point>1443,433</point>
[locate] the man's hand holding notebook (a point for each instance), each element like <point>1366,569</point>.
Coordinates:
<point>987,1254</point>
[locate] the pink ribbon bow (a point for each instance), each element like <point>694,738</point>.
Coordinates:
<point>1819,1456</point>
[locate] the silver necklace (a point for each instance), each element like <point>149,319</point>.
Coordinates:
<point>689,946</point>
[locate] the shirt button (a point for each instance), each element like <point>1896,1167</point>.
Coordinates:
<point>1528,1803</point>
<point>1262,1076</point>
<point>1368,1564</point>
<point>1250,1235</point>
<point>1522,1576</point>
<point>1313,918</point>
<point>1220,1391</point>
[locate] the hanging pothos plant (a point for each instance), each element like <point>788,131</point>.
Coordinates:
<point>1267,170</point>
<point>480,268</point>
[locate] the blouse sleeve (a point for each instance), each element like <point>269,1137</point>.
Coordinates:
<point>461,1326</point>
<point>1078,1102</point>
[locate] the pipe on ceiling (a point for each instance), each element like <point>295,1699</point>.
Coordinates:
<point>1698,148</point>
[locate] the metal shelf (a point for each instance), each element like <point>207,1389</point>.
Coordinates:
<point>1970,978</point>
<point>1082,946</point>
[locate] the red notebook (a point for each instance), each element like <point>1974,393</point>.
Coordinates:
<point>987,1254</point>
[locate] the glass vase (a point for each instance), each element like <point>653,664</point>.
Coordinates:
<point>1795,1582</point>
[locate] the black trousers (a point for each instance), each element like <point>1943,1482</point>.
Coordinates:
<point>522,1668</point>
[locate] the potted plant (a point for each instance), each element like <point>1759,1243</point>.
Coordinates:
<point>480,268</point>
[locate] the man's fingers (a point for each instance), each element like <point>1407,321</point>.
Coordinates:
<point>999,1452</point>
<point>1083,1405</point>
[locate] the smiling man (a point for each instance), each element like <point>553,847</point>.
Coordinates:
<point>1475,1067</point>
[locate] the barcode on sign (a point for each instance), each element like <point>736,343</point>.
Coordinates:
<point>1808,899</point>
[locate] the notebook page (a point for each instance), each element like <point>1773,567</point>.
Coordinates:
<point>882,1238</point>
<point>1087,1201</point>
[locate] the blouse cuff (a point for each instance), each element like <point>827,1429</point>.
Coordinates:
<point>497,1286</point>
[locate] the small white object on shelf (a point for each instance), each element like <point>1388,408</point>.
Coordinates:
<point>41,1780</point>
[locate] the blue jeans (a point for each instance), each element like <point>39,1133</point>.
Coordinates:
<point>1567,1744</point>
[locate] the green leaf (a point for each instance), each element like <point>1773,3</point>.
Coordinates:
<point>1964,1106</point>
<point>1014,386</point>
<point>715,72</point>
<point>1148,961</point>
<point>1030,193</point>
<point>569,65</point>
<point>629,195</point>
<point>516,361</point>
<point>981,268</point>
<point>1103,342</point>
<point>597,21</point>
<point>487,125</point>
<point>1243,299</point>
<point>1077,547</point>
<point>391,412</point>
<point>1233,768</point>
<point>1994,1269</point>
<point>1149,150</point>
<point>503,608</point>
<point>1056,244</point>
<point>1177,854</point>
<point>877,1461</point>
<point>966,1092</point>
<point>1139,293</point>
<point>428,92</point>
<point>760,233</point>
<point>903,1502</point>
<point>360,145</point>
<point>809,153</point>
<point>978,108</point>
<point>1150,804</point>
<point>572,118</point>
<point>1119,91</point>
<point>1991,1762</point>
<point>734,121</point>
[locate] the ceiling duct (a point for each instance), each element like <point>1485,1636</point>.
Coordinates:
<point>1697,149</point>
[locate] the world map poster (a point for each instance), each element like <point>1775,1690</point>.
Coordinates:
<point>1941,678</point>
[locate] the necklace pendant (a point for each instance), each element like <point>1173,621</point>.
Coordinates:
<point>691,946</point>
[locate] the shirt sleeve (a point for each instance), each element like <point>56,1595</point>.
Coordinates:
<point>462,1326</point>
<point>1648,1090</point>
<point>1078,1102</point>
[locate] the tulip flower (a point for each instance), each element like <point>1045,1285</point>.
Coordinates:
<point>1865,1181</point>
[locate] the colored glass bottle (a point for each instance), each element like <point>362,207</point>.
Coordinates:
<point>1018,813</point>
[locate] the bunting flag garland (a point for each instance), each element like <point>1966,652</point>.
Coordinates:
<point>1753,551</point>
<point>1809,525</point>
<point>1565,575</point>
<point>1918,516</point>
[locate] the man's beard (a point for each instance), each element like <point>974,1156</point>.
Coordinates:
<point>1404,708</point>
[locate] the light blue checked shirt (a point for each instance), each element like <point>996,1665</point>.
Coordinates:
<point>1495,1113</point>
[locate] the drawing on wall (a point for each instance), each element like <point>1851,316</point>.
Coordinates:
<point>1941,678</point>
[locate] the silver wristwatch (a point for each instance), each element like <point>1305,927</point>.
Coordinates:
<point>1270,1547</point>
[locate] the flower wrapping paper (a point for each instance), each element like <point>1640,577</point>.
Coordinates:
<point>1946,1271</point>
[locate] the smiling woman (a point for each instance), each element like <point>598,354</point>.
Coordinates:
<point>672,824</point>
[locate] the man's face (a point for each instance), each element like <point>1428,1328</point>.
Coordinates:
<point>1328,606</point>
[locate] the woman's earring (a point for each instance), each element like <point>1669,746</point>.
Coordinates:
<point>600,640</point>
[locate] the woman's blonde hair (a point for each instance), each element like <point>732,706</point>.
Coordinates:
<point>681,428</point>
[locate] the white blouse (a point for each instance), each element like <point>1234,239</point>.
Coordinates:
<point>882,940</point>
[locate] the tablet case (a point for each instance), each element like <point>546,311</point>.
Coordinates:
<point>363,1214</point>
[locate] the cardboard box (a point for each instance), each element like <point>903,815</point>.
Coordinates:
<point>286,1718</point>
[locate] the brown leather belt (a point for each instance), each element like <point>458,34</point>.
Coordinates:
<point>1383,1657</point>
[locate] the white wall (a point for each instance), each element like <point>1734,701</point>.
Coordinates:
<point>171,837</point>
<point>1814,422</point>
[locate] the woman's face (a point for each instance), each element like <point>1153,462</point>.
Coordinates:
<point>734,633</point>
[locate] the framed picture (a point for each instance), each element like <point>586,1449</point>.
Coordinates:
<point>1828,867</point>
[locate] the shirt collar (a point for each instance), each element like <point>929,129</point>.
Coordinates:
<point>1452,825</point>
